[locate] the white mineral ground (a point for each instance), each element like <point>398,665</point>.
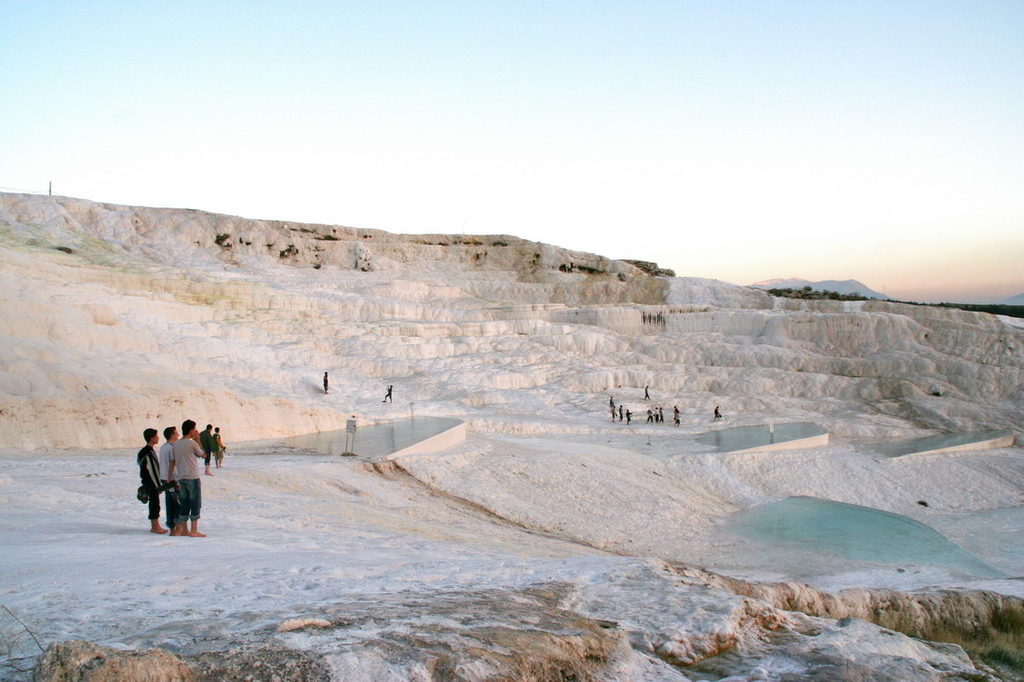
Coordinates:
<point>552,537</point>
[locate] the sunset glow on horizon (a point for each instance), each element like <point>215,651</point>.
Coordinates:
<point>736,140</point>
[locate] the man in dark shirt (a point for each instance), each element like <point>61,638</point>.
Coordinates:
<point>149,474</point>
<point>206,440</point>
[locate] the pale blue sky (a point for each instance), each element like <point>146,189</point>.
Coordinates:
<point>740,140</point>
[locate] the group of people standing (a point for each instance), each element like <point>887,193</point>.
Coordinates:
<point>175,472</point>
<point>655,415</point>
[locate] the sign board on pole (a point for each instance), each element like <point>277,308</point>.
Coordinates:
<point>350,431</point>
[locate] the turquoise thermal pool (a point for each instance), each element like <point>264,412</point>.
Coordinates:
<point>824,527</point>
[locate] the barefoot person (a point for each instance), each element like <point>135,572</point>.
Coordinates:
<point>149,473</point>
<point>185,454</point>
<point>171,496</point>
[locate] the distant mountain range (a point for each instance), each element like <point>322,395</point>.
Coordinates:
<point>1014,300</point>
<point>846,286</point>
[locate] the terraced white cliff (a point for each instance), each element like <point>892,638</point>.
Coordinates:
<point>115,314</point>
<point>552,531</point>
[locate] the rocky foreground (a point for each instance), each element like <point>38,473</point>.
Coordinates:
<point>555,632</point>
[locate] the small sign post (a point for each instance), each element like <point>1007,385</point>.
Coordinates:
<point>350,431</point>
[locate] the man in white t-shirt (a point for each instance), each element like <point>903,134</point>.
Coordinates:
<point>164,457</point>
<point>184,468</point>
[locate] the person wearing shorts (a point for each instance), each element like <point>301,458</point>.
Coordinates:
<point>185,455</point>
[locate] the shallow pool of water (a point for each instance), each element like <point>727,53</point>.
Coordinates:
<point>750,437</point>
<point>930,443</point>
<point>375,440</point>
<point>811,524</point>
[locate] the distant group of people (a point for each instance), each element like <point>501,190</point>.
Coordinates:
<point>174,471</point>
<point>655,415</point>
<point>387,394</point>
<point>653,318</point>
<point>620,413</point>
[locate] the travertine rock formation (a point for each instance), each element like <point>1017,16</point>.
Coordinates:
<point>114,315</point>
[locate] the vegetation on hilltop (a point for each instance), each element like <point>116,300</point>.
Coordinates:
<point>807,293</point>
<point>993,308</point>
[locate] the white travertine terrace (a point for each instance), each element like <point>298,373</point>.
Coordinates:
<point>120,318</point>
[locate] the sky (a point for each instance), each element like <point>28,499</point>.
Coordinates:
<point>740,140</point>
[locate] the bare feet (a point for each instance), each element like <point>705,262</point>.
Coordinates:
<point>158,530</point>
<point>196,534</point>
